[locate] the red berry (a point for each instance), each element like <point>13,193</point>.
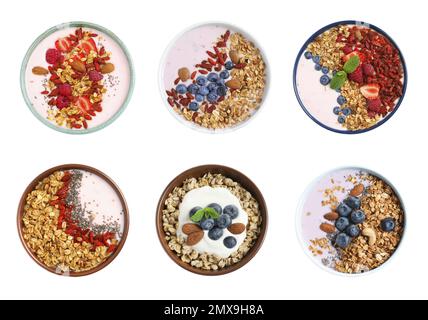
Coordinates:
<point>347,50</point>
<point>52,56</point>
<point>65,90</point>
<point>95,75</point>
<point>357,76</point>
<point>368,69</point>
<point>62,102</point>
<point>374,105</point>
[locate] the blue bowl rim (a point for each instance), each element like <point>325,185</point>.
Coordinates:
<point>328,27</point>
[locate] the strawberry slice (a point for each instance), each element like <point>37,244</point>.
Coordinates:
<point>370,91</point>
<point>84,104</point>
<point>63,44</point>
<point>88,45</point>
<point>352,54</point>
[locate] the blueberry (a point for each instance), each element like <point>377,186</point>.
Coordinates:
<point>193,88</point>
<point>353,231</point>
<point>212,97</point>
<point>193,106</point>
<point>325,70</point>
<point>318,67</point>
<point>342,223</point>
<point>229,65</point>
<point>343,241</point>
<point>224,221</point>
<point>201,80</point>
<point>358,217</point>
<point>232,211</point>
<point>199,98</point>
<point>336,110</point>
<point>215,233</point>
<point>212,77</point>
<point>193,211</point>
<point>229,242</point>
<point>220,83</point>
<point>343,210</point>
<point>346,112</point>
<point>353,203</point>
<point>325,80</point>
<point>216,207</point>
<point>224,74</point>
<point>341,119</point>
<point>308,55</point>
<point>221,91</point>
<point>207,224</point>
<point>212,86</point>
<point>181,89</point>
<point>388,225</point>
<point>316,59</point>
<point>341,100</point>
<point>204,91</point>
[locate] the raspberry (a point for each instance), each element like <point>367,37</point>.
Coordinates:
<point>64,90</point>
<point>52,56</point>
<point>357,76</point>
<point>95,76</point>
<point>374,105</point>
<point>62,102</point>
<point>368,69</point>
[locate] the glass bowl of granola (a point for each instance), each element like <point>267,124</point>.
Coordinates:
<point>77,77</point>
<point>73,220</point>
<point>350,77</point>
<point>351,221</point>
<point>211,220</point>
<point>214,77</point>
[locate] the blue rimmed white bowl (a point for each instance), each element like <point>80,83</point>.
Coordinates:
<point>307,109</point>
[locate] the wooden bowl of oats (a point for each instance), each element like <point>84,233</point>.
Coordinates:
<point>73,220</point>
<point>211,220</point>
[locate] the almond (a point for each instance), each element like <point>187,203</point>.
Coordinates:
<point>235,56</point>
<point>332,216</point>
<point>184,74</point>
<point>107,68</point>
<point>357,191</point>
<point>327,228</point>
<point>194,238</point>
<point>234,84</point>
<point>190,228</point>
<point>237,228</point>
<point>40,71</point>
<point>79,66</point>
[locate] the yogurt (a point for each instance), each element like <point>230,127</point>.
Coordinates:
<point>202,197</point>
<point>118,83</point>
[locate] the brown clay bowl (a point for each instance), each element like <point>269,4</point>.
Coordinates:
<point>31,187</point>
<point>235,175</point>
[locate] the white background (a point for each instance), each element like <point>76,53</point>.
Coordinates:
<point>282,150</point>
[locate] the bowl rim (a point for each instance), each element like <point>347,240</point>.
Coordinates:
<point>213,168</point>
<point>299,216</point>
<point>112,184</point>
<point>357,23</point>
<point>190,124</point>
<point>77,24</point>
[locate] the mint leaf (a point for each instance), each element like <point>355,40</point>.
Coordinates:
<point>352,64</point>
<point>197,217</point>
<point>338,80</point>
<point>211,213</point>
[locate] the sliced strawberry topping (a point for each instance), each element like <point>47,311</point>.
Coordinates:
<point>370,91</point>
<point>84,104</point>
<point>63,44</point>
<point>354,53</point>
<point>88,45</point>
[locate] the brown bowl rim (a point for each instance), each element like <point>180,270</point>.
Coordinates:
<point>237,176</point>
<point>45,174</point>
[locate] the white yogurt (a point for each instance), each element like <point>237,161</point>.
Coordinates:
<point>118,83</point>
<point>101,202</point>
<point>202,197</point>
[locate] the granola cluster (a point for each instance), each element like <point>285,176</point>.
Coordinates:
<point>207,261</point>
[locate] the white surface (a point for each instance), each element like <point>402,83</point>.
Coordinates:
<point>282,151</point>
<point>203,197</point>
